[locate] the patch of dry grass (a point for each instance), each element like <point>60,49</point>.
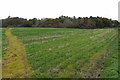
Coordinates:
<point>15,62</point>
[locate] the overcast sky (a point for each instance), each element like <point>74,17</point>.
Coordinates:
<point>55,8</point>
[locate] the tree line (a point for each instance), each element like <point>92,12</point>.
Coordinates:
<point>62,22</point>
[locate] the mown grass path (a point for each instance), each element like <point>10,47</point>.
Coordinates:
<point>14,61</point>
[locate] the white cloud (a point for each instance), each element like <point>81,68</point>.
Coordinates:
<point>55,8</point>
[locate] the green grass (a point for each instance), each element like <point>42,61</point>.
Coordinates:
<point>0,44</point>
<point>4,41</point>
<point>110,70</point>
<point>70,54</point>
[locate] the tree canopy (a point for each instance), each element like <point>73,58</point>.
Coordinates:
<point>62,22</point>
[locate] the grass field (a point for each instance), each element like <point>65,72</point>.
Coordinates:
<point>60,52</point>
<point>0,53</point>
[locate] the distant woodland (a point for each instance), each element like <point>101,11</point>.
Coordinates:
<point>62,22</point>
